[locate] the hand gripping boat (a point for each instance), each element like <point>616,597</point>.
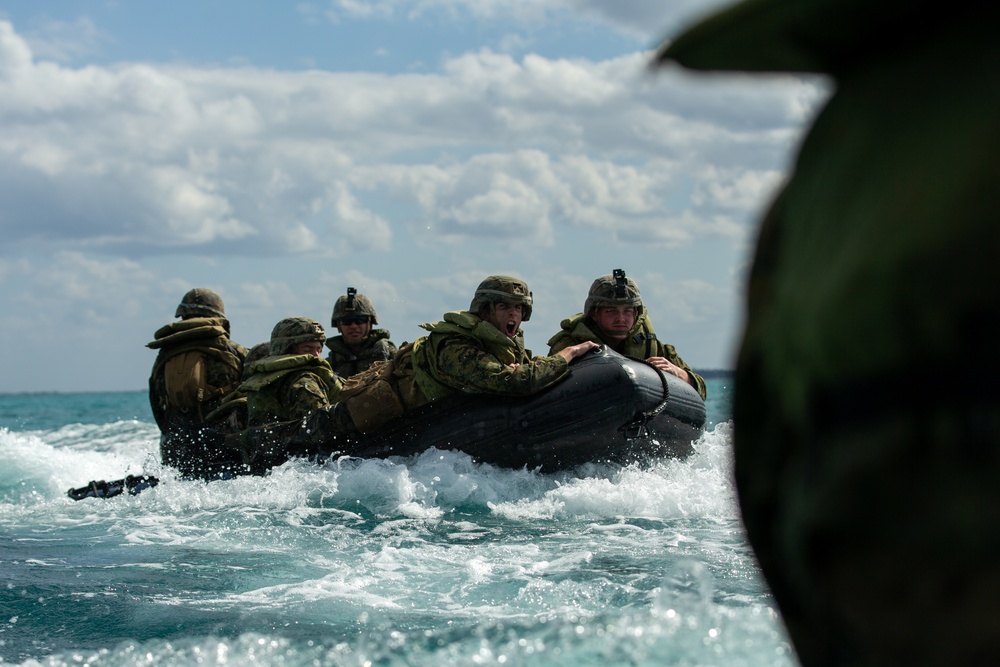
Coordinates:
<point>610,409</point>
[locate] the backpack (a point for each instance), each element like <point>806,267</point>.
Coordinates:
<point>383,392</point>
<point>187,349</point>
<point>186,381</point>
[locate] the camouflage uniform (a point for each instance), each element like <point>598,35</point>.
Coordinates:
<point>640,342</point>
<point>232,414</point>
<point>285,386</point>
<point>465,354</point>
<point>202,333</point>
<point>345,359</point>
<point>462,354</point>
<point>288,386</point>
<point>866,416</point>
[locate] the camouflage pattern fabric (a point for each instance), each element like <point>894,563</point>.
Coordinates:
<point>315,436</point>
<point>181,443</point>
<point>465,354</point>
<point>866,416</point>
<point>287,387</point>
<point>640,343</point>
<point>353,304</point>
<point>503,289</point>
<point>461,354</point>
<point>291,331</point>
<point>232,415</point>
<point>256,353</point>
<point>200,302</point>
<point>347,362</point>
<point>605,291</point>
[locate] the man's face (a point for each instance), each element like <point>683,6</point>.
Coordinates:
<point>506,317</point>
<point>313,347</point>
<point>354,328</point>
<point>615,321</point>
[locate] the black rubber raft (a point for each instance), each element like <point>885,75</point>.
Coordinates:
<point>611,409</point>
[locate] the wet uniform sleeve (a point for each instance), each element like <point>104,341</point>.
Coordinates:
<point>333,393</point>
<point>303,395</point>
<point>560,342</point>
<point>472,370</point>
<point>670,354</point>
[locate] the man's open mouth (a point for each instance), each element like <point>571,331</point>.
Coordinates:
<point>511,328</point>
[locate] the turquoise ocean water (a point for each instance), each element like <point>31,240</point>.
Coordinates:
<point>432,560</point>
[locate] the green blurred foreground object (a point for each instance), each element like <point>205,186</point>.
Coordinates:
<point>866,415</point>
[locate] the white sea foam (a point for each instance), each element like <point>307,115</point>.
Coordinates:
<point>423,487</point>
<point>427,560</point>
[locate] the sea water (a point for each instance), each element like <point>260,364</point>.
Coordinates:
<point>429,560</point>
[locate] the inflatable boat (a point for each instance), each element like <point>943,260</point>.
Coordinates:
<point>611,409</point>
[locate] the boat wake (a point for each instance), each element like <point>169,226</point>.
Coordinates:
<point>38,467</point>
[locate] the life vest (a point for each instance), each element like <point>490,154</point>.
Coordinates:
<point>270,375</point>
<point>461,323</point>
<point>639,343</point>
<point>391,388</point>
<point>347,362</point>
<point>197,366</point>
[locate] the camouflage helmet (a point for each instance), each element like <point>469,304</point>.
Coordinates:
<point>256,353</point>
<point>353,304</point>
<point>503,289</point>
<point>201,302</point>
<point>614,289</point>
<point>291,331</point>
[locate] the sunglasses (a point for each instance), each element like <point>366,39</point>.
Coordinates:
<point>353,320</point>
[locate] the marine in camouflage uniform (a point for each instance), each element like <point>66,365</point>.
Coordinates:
<point>866,416</point>
<point>232,415</point>
<point>479,351</point>
<point>470,352</point>
<point>182,401</point>
<point>356,350</point>
<point>288,384</point>
<point>640,342</point>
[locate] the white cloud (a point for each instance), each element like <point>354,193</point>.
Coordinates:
<point>127,184</point>
<point>74,297</point>
<point>354,227</point>
<point>641,19</point>
<point>64,41</point>
<point>13,267</point>
<point>735,189</point>
<point>167,156</point>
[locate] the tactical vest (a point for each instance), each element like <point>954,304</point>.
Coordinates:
<point>272,374</point>
<point>460,323</point>
<point>382,392</point>
<point>391,388</point>
<point>346,362</point>
<point>639,343</point>
<point>197,366</point>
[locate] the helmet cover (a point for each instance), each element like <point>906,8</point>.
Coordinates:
<point>291,331</point>
<point>353,304</point>
<point>201,302</point>
<point>503,289</point>
<point>615,289</point>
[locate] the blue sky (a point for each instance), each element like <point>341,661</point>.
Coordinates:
<point>280,152</point>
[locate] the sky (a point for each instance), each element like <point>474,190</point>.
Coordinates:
<point>279,153</point>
